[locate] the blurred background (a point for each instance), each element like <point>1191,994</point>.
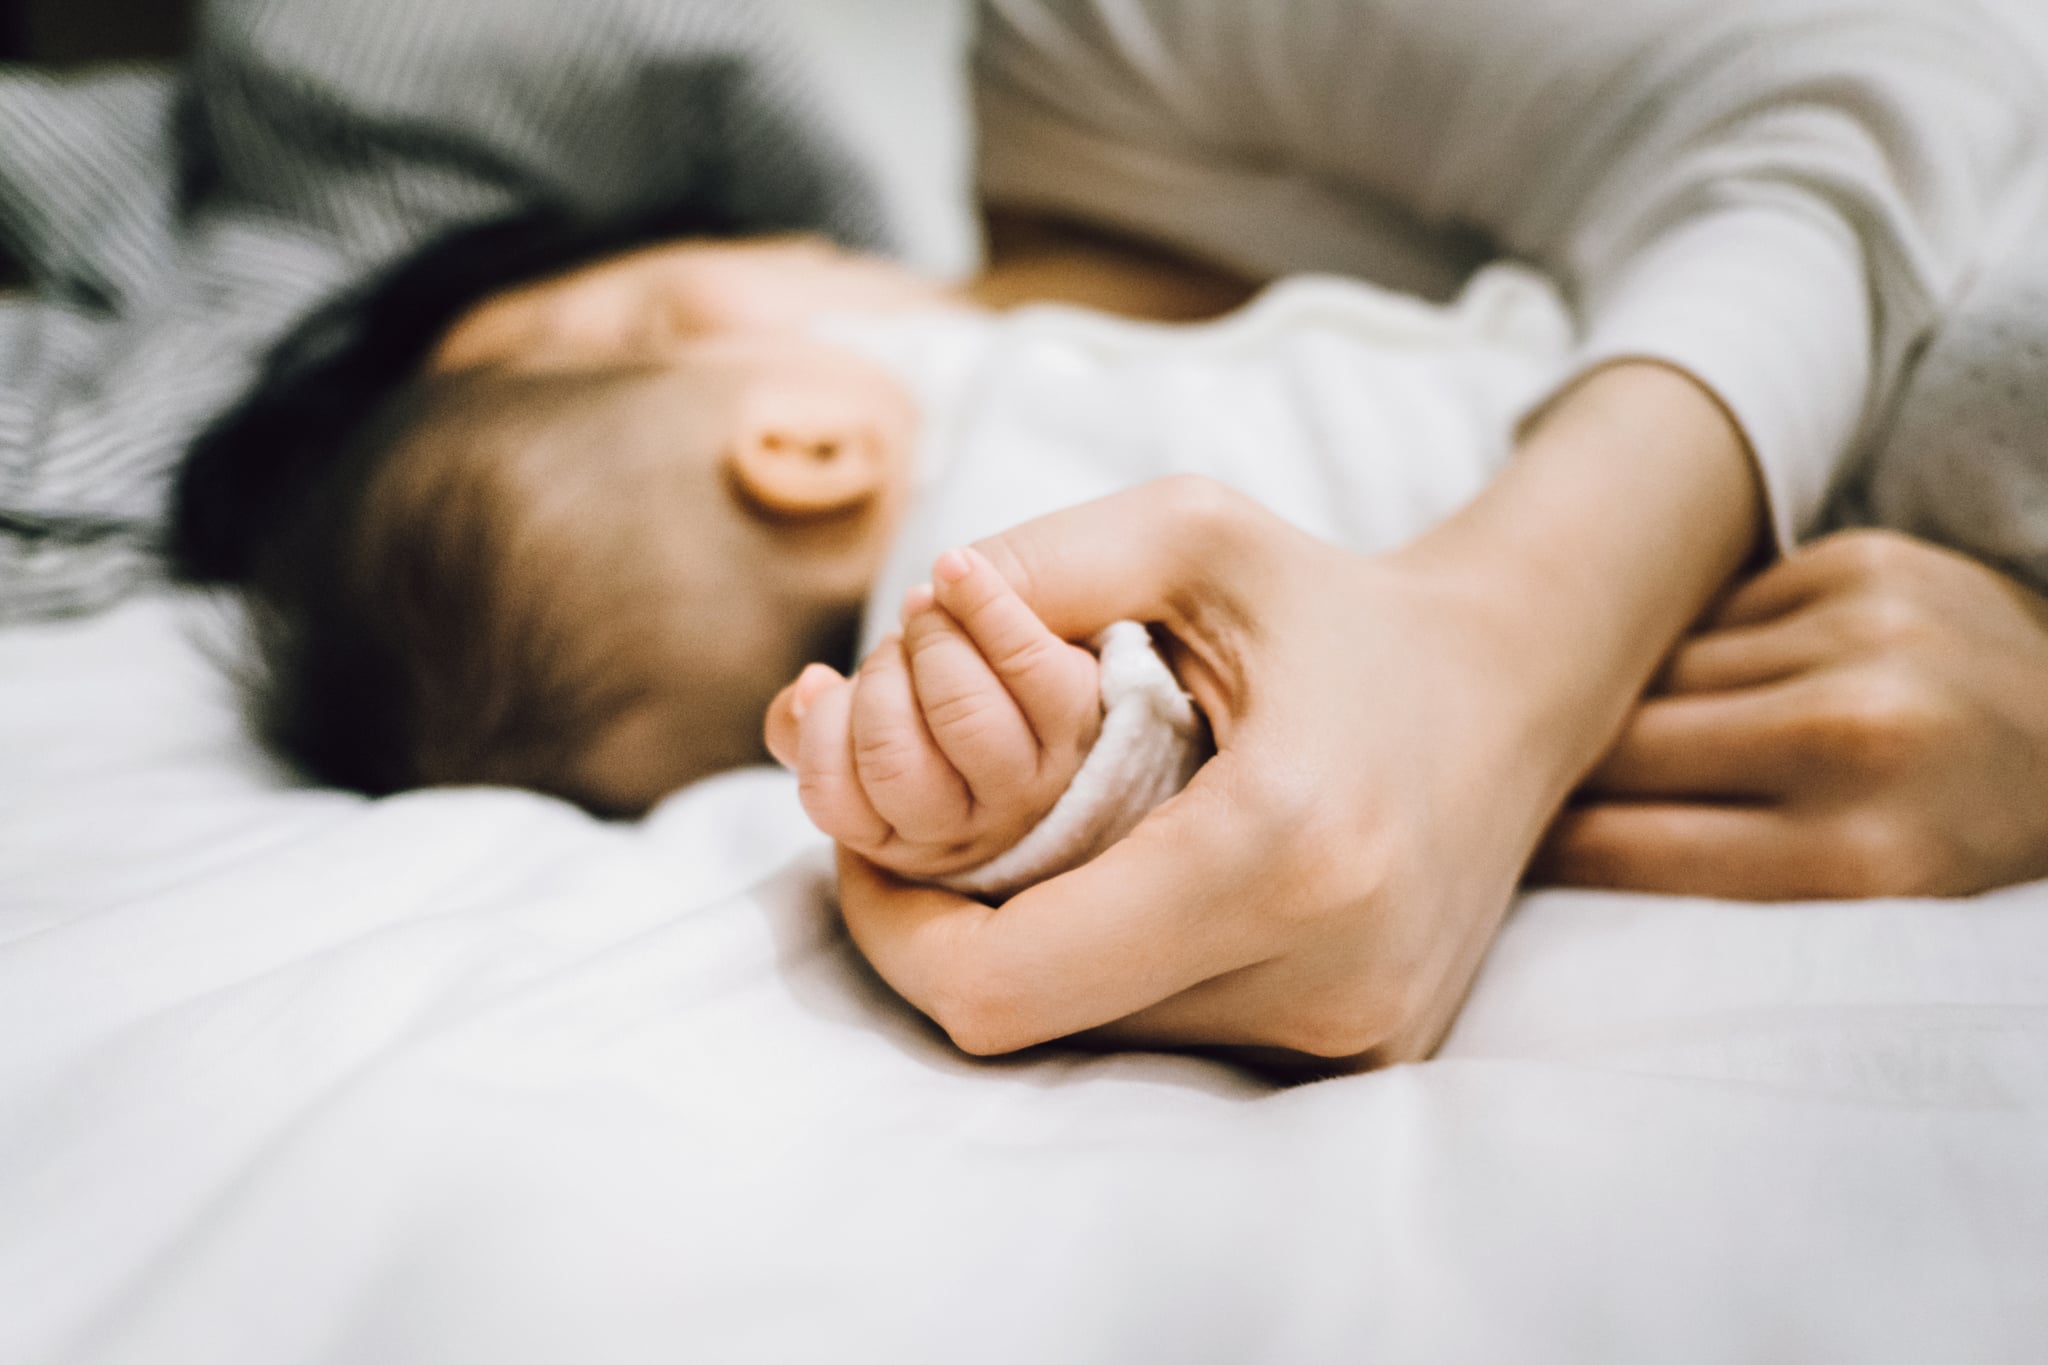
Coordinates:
<point>71,31</point>
<point>63,33</point>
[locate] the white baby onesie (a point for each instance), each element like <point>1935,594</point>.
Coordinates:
<point>1361,415</point>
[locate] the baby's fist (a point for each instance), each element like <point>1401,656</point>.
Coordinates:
<point>954,738</point>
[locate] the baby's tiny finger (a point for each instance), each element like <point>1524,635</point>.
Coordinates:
<point>780,729</point>
<point>972,717</point>
<point>825,779</point>
<point>905,775</point>
<point>1053,681</point>
<point>918,599</point>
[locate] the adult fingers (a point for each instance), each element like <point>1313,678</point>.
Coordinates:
<point>977,724</point>
<point>1851,624</point>
<point>1054,682</point>
<point>1744,656</point>
<point>1675,848</point>
<point>826,782</point>
<point>1168,907</point>
<point>1834,564</point>
<point>1749,743</point>
<point>906,778</point>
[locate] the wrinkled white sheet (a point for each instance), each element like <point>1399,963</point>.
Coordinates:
<point>289,1076</point>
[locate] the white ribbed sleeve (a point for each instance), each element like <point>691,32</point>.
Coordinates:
<point>1778,196</point>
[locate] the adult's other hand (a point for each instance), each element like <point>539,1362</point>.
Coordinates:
<point>1869,717</point>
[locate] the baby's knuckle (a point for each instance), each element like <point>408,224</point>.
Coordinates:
<point>825,801</point>
<point>815,794</point>
<point>885,758</point>
<point>1024,656</point>
<point>963,715</point>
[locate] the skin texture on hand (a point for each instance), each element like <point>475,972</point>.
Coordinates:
<point>953,738</point>
<point>1393,734</point>
<point>1868,717</point>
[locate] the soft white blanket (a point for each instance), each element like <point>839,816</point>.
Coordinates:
<point>290,1076</point>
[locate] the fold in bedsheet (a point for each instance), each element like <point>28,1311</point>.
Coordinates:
<point>290,1076</point>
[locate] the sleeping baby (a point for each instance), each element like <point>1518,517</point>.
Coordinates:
<point>584,546</point>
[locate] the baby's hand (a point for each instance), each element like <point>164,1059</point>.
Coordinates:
<point>953,738</point>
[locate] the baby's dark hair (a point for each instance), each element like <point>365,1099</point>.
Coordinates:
<point>393,649</point>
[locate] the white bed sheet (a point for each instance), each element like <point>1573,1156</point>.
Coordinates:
<point>290,1076</point>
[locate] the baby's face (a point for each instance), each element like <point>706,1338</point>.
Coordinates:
<point>717,487</point>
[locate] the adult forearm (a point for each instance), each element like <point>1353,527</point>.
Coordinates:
<point>1631,502</point>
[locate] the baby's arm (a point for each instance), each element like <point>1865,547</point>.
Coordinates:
<point>953,753</point>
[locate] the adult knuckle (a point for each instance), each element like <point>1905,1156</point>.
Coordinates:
<point>1323,1030</point>
<point>1583,849</point>
<point>1369,1022</point>
<point>1878,853</point>
<point>1202,508</point>
<point>1871,554</point>
<point>1882,622</point>
<point>1194,497</point>
<point>1876,720</point>
<point>982,1017</point>
<point>1329,1033</point>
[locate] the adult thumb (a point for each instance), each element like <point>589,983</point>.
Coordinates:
<point>1168,551</point>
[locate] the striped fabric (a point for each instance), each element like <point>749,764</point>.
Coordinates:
<point>175,224</point>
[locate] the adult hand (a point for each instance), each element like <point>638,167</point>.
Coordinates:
<point>1296,895</point>
<point>1392,733</point>
<point>1869,717</point>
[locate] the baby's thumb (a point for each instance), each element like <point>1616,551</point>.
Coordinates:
<point>783,726</point>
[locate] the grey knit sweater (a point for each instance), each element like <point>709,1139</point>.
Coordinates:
<point>1966,461</point>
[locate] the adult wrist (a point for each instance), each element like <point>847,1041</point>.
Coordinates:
<point>1631,502</point>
